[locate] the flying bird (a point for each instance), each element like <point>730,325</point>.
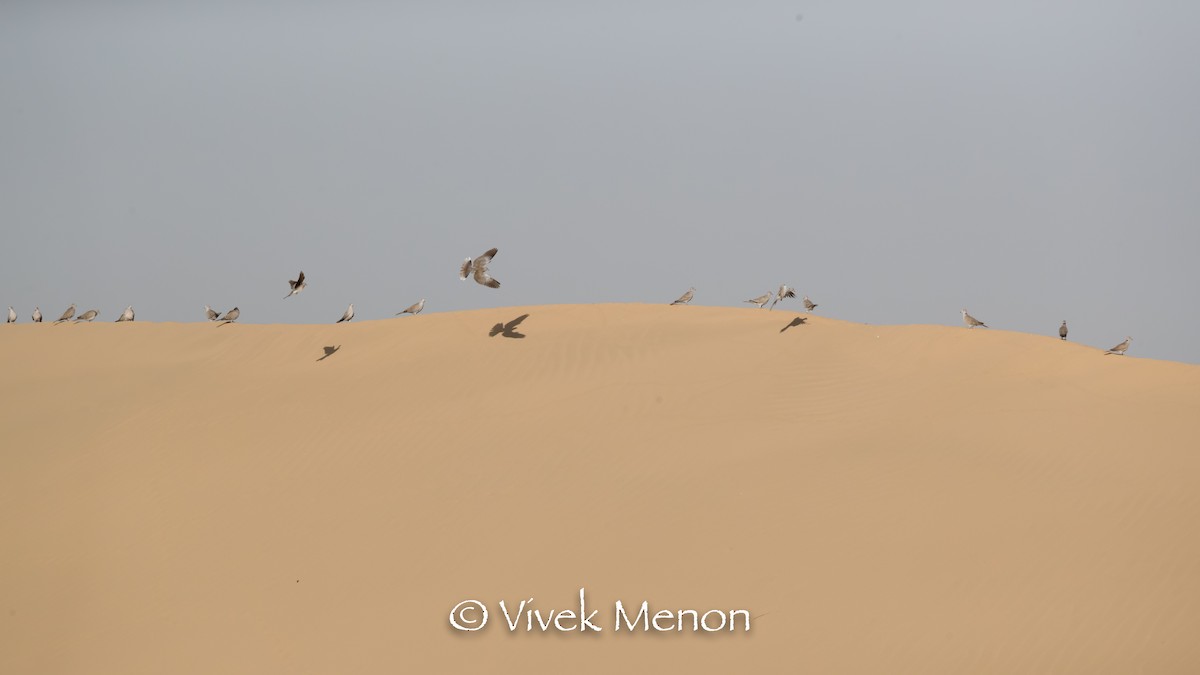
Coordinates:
<point>67,314</point>
<point>785,291</point>
<point>231,316</point>
<point>761,300</point>
<point>972,321</point>
<point>414,309</point>
<point>37,315</point>
<point>127,315</point>
<point>686,297</point>
<point>809,305</point>
<point>1119,350</point>
<point>477,268</point>
<point>297,285</point>
<point>1062,330</point>
<point>12,315</point>
<point>212,314</point>
<point>348,315</point>
<point>87,316</point>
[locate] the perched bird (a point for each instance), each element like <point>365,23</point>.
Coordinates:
<point>231,316</point>
<point>1119,350</point>
<point>67,314</point>
<point>414,309</point>
<point>348,315</point>
<point>686,297</point>
<point>1062,330</point>
<point>211,313</point>
<point>972,321</point>
<point>12,315</point>
<point>809,305</point>
<point>37,315</point>
<point>297,285</point>
<point>127,315</point>
<point>785,291</point>
<point>87,316</point>
<point>477,268</point>
<point>761,300</point>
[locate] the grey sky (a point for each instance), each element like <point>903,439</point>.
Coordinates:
<point>1030,161</point>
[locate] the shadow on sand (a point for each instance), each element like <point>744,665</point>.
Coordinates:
<point>795,322</point>
<point>329,351</point>
<point>508,330</point>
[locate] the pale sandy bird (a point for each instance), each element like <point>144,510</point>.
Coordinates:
<point>1062,330</point>
<point>761,300</point>
<point>212,314</point>
<point>12,315</point>
<point>87,316</point>
<point>809,305</point>
<point>785,291</point>
<point>37,315</point>
<point>972,321</point>
<point>67,314</point>
<point>231,316</point>
<point>686,297</point>
<point>1119,350</point>
<point>297,285</point>
<point>127,315</point>
<point>348,315</point>
<point>477,268</point>
<point>414,309</point>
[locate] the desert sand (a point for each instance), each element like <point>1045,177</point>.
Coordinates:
<point>196,498</point>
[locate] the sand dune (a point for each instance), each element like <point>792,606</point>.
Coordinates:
<point>194,498</point>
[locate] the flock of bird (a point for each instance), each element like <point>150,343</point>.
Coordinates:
<point>477,269</point>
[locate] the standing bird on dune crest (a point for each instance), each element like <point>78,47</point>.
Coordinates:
<point>12,315</point>
<point>761,300</point>
<point>686,297</point>
<point>972,321</point>
<point>230,316</point>
<point>297,285</point>
<point>348,315</point>
<point>1119,350</point>
<point>785,291</point>
<point>477,269</point>
<point>87,316</point>
<point>37,314</point>
<point>67,314</point>
<point>127,315</point>
<point>413,309</point>
<point>212,314</point>
<point>1062,330</point>
<point>809,305</point>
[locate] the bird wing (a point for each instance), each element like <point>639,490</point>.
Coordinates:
<point>786,292</point>
<point>486,258</point>
<point>481,276</point>
<point>301,279</point>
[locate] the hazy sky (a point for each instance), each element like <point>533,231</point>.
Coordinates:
<point>1030,161</point>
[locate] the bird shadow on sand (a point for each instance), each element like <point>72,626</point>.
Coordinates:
<point>798,321</point>
<point>330,351</point>
<point>508,330</point>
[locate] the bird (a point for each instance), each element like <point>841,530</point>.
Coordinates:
<point>785,291</point>
<point>972,321</point>
<point>127,315</point>
<point>809,305</point>
<point>12,315</point>
<point>231,316</point>
<point>211,313</point>
<point>348,315</point>
<point>414,309</point>
<point>1062,330</point>
<point>67,314</point>
<point>761,300</point>
<point>87,316</point>
<point>477,268</point>
<point>1119,350</point>
<point>686,297</point>
<point>37,315</point>
<point>297,285</point>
